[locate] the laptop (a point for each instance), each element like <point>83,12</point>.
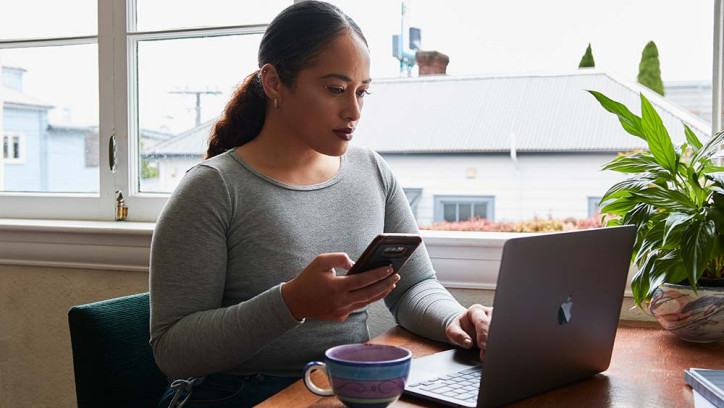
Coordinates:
<point>556,311</point>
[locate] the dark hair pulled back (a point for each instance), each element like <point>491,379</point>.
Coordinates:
<point>290,43</point>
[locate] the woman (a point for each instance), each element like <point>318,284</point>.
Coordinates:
<point>243,285</point>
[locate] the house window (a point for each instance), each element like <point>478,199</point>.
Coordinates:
<point>104,61</point>
<point>593,206</point>
<point>463,208</point>
<point>413,197</point>
<point>13,148</point>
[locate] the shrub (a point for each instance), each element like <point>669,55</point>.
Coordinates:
<point>535,225</point>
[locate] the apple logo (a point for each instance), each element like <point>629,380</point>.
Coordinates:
<point>564,311</point>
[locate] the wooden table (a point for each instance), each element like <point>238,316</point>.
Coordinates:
<point>647,370</point>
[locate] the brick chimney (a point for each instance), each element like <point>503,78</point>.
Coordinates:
<point>431,62</point>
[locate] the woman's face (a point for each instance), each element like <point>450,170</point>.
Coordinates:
<point>323,106</point>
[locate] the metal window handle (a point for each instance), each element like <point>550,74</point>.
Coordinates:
<point>112,152</point>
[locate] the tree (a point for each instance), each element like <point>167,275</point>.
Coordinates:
<point>587,60</point>
<point>649,71</point>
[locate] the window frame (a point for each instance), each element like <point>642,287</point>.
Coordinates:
<point>21,151</point>
<point>115,64</point>
<point>439,201</point>
<point>417,195</point>
<point>593,202</point>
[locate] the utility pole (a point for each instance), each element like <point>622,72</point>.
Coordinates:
<point>198,99</point>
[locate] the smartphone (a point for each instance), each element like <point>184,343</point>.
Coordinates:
<point>387,249</point>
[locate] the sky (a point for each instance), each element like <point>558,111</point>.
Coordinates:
<point>481,37</point>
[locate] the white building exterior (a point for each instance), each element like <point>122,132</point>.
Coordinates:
<point>507,148</point>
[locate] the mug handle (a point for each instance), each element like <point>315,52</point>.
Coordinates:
<point>308,370</point>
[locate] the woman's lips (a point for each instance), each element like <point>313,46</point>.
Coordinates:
<point>344,134</point>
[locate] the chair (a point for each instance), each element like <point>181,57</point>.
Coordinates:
<point>112,359</point>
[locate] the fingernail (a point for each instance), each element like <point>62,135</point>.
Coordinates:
<point>397,278</point>
<point>389,269</point>
<point>467,343</point>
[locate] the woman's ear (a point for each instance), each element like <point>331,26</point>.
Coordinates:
<point>270,81</point>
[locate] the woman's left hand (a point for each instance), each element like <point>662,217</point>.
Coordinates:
<point>471,328</point>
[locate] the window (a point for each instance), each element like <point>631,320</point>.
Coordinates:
<point>128,74</point>
<point>463,208</point>
<point>102,85</point>
<point>13,149</point>
<point>413,197</point>
<point>593,205</point>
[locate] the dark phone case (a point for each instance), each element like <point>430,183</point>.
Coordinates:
<point>383,251</point>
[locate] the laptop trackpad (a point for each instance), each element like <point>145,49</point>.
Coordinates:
<point>443,363</point>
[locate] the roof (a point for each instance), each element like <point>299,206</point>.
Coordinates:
<point>17,99</point>
<point>192,142</point>
<point>534,113</point>
<point>552,113</point>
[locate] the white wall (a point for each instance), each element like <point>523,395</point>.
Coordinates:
<point>539,185</point>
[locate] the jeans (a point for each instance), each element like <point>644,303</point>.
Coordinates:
<point>228,390</point>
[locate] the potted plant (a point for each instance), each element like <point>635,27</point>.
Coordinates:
<point>675,198</point>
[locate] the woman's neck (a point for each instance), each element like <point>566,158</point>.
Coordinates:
<point>287,161</point>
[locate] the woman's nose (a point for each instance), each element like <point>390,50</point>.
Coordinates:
<point>353,108</point>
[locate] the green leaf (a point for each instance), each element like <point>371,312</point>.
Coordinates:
<point>653,239</point>
<point>709,148</point>
<point>630,122</point>
<point>673,266</point>
<point>614,222</point>
<point>716,214</point>
<point>710,168</point>
<point>674,228</point>
<point>692,139</point>
<point>635,163</point>
<point>699,194</point>
<point>660,198</point>
<point>639,216</point>
<point>619,206</point>
<point>657,136</point>
<point>621,189</point>
<point>696,245</point>
<point>641,282</point>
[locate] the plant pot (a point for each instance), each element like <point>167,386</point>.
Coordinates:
<point>697,317</point>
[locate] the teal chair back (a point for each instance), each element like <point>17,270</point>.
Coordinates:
<point>112,359</point>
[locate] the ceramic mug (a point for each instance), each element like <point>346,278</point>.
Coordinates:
<point>362,375</point>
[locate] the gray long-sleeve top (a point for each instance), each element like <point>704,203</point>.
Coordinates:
<point>229,237</point>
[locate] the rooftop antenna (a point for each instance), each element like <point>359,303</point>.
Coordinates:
<point>407,59</point>
<point>198,99</point>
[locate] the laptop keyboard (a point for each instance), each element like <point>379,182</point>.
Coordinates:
<point>462,385</point>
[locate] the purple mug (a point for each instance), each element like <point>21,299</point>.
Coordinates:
<point>362,375</point>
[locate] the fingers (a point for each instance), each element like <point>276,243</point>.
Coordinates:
<point>367,278</point>
<point>376,291</point>
<point>457,335</point>
<point>479,316</point>
<point>329,261</point>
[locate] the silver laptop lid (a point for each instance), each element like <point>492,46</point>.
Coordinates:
<point>556,310</point>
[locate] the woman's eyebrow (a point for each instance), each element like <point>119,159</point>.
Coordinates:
<point>343,78</point>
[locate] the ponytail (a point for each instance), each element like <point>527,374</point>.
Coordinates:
<point>243,117</point>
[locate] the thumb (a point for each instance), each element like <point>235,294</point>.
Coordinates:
<point>333,260</point>
<point>458,336</point>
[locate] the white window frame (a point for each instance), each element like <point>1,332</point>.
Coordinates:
<point>593,205</point>
<point>441,200</point>
<point>117,39</point>
<point>115,115</point>
<point>21,148</point>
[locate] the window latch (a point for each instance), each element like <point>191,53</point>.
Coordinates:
<point>121,209</point>
<point>112,152</point>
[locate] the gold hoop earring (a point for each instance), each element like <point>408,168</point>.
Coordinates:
<point>276,103</point>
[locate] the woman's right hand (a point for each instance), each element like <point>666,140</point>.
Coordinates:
<point>318,293</point>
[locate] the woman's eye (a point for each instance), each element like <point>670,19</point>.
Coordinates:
<point>336,90</point>
<point>363,92</point>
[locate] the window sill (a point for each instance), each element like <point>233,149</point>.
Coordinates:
<point>467,260</point>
